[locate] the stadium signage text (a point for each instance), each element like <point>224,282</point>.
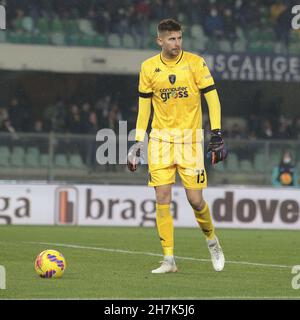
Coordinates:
<point>247,209</point>
<point>130,205</point>
<point>254,67</point>
<point>2,18</point>
<point>20,208</point>
<point>124,209</point>
<point>296,19</point>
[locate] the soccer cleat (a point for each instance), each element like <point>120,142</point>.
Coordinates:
<point>216,253</point>
<point>165,267</point>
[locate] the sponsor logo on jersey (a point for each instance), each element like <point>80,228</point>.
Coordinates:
<point>175,93</point>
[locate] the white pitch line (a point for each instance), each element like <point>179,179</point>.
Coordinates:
<point>157,255</point>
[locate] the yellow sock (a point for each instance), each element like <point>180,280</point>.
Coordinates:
<point>203,218</point>
<point>164,223</point>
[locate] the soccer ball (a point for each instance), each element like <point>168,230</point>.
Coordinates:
<point>286,179</point>
<point>50,264</point>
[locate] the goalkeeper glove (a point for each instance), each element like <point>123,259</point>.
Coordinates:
<point>135,154</point>
<point>216,149</point>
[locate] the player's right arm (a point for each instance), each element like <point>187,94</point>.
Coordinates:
<point>144,111</point>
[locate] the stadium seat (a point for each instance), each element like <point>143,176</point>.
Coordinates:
<point>73,39</point>
<point>86,28</point>
<point>4,156</point>
<point>76,161</point>
<point>58,39</point>
<point>260,162</point>
<point>57,25</point>
<point>2,36</point>
<point>267,35</point>
<point>86,40</point>
<point>153,29</point>
<point>17,159</point>
<point>246,166</point>
<point>61,161</point>
<point>18,150</point>
<point>232,162</point>
<point>4,151</point>
<point>254,35</point>
<point>239,45</point>
<point>99,41</point>
<point>187,43</point>
<point>220,167</point>
<point>225,46</point>
<point>41,38</point>
<point>28,24</point>
<point>294,37</point>
<point>294,48</point>
<point>128,41</point>
<point>44,160</point>
<point>33,150</point>
<point>71,26</point>
<point>31,160</point>
<point>199,44</point>
<point>4,160</point>
<point>267,47</point>
<point>298,167</point>
<point>17,24</point>
<point>197,32</point>
<point>240,33</point>
<point>255,47</point>
<point>14,37</point>
<point>42,25</point>
<point>113,40</point>
<point>275,158</point>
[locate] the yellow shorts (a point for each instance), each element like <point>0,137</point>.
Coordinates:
<point>165,158</point>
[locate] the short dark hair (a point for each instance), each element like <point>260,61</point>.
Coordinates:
<point>168,25</point>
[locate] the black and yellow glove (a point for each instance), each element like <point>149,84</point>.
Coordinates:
<point>216,149</point>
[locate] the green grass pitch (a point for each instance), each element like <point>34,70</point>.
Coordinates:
<point>115,263</point>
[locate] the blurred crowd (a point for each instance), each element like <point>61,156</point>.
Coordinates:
<point>219,19</point>
<point>86,117</point>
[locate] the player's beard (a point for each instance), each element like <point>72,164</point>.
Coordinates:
<point>173,53</point>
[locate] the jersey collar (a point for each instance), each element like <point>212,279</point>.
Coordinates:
<point>171,62</point>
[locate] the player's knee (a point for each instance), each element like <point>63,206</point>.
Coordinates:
<point>163,197</point>
<point>197,203</point>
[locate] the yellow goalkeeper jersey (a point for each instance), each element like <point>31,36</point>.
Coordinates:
<point>174,87</point>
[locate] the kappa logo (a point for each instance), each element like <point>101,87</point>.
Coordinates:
<point>157,70</point>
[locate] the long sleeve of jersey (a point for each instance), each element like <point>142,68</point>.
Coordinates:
<point>214,109</point>
<point>145,94</point>
<point>206,84</point>
<point>143,118</point>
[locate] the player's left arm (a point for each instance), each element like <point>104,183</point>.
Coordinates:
<point>216,150</point>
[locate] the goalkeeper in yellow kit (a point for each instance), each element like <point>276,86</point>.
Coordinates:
<point>172,82</point>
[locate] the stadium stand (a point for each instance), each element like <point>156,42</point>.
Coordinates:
<point>231,25</point>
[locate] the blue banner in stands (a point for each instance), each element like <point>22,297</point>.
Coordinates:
<point>250,67</point>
